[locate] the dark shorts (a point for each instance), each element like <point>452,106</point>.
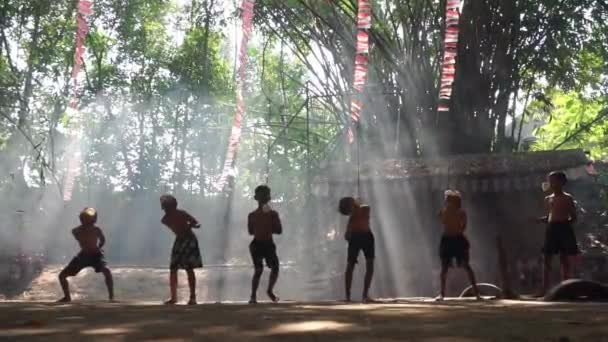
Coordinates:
<point>361,242</point>
<point>185,253</point>
<point>84,260</point>
<point>264,250</point>
<point>560,239</point>
<point>454,248</point>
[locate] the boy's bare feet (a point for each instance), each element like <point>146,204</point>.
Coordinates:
<point>368,300</point>
<point>192,301</point>
<point>253,300</point>
<point>65,300</point>
<point>539,294</point>
<point>439,298</point>
<point>170,302</point>
<point>272,296</point>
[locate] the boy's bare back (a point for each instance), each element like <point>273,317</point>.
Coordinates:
<point>179,221</point>
<point>263,224</point>
<point>454,221</point>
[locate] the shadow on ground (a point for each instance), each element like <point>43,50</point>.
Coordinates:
<point>414,320</point>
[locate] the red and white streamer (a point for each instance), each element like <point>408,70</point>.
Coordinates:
<point>247,7</point>
<point>85,9</point>
<point>450,45</point>
<point>364,23</point>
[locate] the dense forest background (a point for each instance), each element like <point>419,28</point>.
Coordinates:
<point>157,91</point>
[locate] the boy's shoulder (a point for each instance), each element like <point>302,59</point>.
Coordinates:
<point>83,228</point>
<point>563,194</point>
<point>569,195</point>
<point>262,212</point>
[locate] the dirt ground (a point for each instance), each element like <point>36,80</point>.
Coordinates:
<point>396,320</point>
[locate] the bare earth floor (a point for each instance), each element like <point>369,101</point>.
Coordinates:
<point>396,320</point>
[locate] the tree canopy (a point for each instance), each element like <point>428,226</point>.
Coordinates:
<point>157,91</point>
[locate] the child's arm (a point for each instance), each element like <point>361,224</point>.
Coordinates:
<point>101,237</point>
<point>347,233</point>
<point>249,225</point>
<point>277,228</point>
<point>573,214</point>
<point>464,220</point>
<point>545,219</point>
<point>192,222</point>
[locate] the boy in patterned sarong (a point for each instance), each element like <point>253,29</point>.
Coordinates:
<point>185,253</point>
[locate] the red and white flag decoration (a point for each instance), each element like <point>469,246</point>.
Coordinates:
<point>364,23</point>
<point>450,45</point>
<point>247,7</point>
<point>85,9</point>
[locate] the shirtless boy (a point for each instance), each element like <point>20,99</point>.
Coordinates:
<point>360,238</point>
<point>454,244</point>
<point>559,235</point>
<point>91,240</point>
<point>262,223</point>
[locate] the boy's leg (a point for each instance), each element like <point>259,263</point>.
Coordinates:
<point>352,255</point>
<point>472,279</point>
<point>547,259</point>
<point>72,269</point>
<point>274,275</point>
<point>63,280</point>
<point>109,282</point>
<point>255,283</point>
<point>369,251</point>
<point>566,266</point>
<point>369,274</point>
<point>258,269</point>
<point>348,278</point>
<point>273,262</point>
<point>192,286</point>
<point>443,278</point>
<point>172,286</point>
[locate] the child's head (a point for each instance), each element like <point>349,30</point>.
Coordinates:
<point>168,202</point>
<point>88,216</point>
<point>453,199</point>
<point>346,205</point>
<point>262,194</point>
<point>557,179</point>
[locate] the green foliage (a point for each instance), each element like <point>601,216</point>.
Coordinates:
<point>567,115</point>
<point>201,65</point>
<point>157,90</point>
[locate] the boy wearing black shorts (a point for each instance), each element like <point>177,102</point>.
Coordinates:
<point>91,240</point>
<point>454,244</point>
<point>262,224</point>
<point>360,238</point>
<point>559,235</point>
